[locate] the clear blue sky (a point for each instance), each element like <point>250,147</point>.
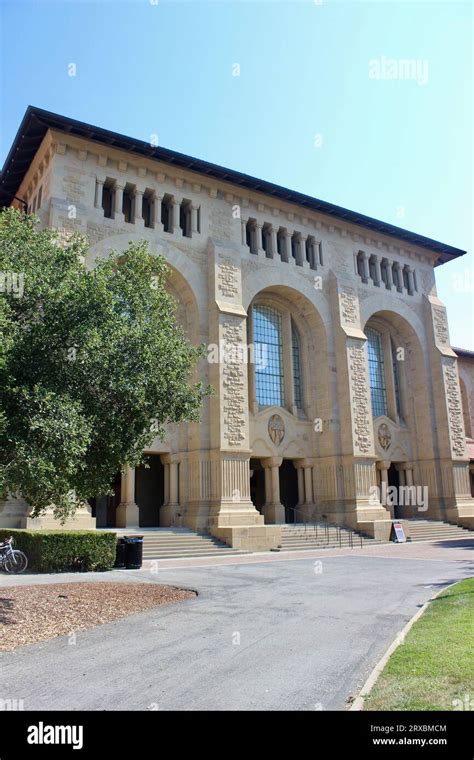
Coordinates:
<point>396,149</point>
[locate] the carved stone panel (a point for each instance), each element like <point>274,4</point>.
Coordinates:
<point>276,429</point>
<point>454,406</point>
<point>440,323</point>
<point>361,412</point>
<point>384,436</point>
<point>349,307</point>
<point>227,279</point>
<point>233,383</point>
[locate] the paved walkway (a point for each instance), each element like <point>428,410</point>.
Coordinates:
<point>266,632</point>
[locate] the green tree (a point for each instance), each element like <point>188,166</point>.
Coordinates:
<point>92,364</point>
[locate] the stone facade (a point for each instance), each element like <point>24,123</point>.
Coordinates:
<point>321,449</point>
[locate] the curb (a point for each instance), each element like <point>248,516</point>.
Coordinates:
<point>358,703</point>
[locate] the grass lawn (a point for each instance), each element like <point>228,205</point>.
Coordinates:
<point>434,667</point>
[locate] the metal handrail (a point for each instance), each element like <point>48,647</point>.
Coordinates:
<point>309,522</point>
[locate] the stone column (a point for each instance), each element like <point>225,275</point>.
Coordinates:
<point>127,515</point>
<point>268,484</point>
<point>170,509</point>
<point>274,242</point>
<point>289,256</point>
<point>378,272</point>
<point>365,267</point>
<point>306,505</point>
<point>308,484</point>
<point>99,187</point>
<point>301,251</point>
<point>176,212</point>
<point>194,218</point>
<point>273,510</point>
<point>157,223</point>
<point>258,240</point>
<point>118,213</point>
<point>301,498</point>
<point>138,203</point>
<point>399,283</point>
<point>383,466</point>
<point>166,483</point>
<point>284,253</point>
<point>388,272</point>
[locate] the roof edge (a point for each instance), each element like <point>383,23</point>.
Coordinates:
<point>36,121</point>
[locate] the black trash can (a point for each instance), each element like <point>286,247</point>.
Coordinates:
<point>120,553</point>
<point>133,552</point>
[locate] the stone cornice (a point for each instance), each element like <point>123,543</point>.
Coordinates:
<point>276,211</point>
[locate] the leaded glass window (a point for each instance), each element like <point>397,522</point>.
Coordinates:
<point>295,344</point>
<point>378,389</point>
<point>267,338</point>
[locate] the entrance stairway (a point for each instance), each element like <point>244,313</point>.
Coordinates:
<point>178,543</point>
<point>436,530</point>
<point>320,536</point>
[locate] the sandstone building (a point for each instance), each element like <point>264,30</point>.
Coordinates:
<point>350,379</point>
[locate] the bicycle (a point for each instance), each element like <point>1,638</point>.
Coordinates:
<point>12,560</point>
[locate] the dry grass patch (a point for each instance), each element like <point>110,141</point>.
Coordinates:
<point>34,613</point>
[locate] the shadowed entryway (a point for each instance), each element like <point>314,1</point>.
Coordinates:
<point>257,484</point>
<point>150,491</point>
<point>288,489</point>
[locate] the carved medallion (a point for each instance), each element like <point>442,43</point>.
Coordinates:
<point>276,429</point>
<point>385,436</point>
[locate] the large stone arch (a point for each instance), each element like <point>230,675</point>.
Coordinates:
<point>417,429</point>
<point>189,289</point>
<point>398,310</point>
<point>315,371</point>
<point>288,278</point>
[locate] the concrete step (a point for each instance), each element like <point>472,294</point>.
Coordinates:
<point>158,542</point>
<point>436,530</point>
<point>197,553</point>
<point>175,543</point>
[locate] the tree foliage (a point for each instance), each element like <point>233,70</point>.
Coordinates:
<point>92,364</point>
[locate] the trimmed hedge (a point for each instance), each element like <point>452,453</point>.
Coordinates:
<point>65,550</point>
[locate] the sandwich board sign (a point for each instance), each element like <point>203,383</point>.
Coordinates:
<point>398,533</point>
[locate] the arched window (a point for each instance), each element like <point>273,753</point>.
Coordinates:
<point>296,354</point>
<point>267,338</point>
<point>378,388</point>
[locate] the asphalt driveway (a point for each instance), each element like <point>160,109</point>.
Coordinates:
<point>298,634</point>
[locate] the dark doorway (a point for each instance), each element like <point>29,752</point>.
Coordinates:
<point>150,491</point>
<point>393,477</point>
<point>103,508</point>
<point>288,489</point>
<point>257,484</point>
